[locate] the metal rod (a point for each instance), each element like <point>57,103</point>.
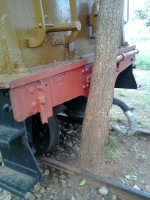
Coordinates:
<point>125,55</point>
<point>49,25</point>
<point>61,27</point>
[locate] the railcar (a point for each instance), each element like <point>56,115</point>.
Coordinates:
<point>46,58</point>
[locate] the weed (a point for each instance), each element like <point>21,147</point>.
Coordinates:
<point>144,139</point>
<point>135,149</point>
<point>113,118</point>
<point>112,155</point>
<point>133,168</point>
<point>110,146</point>
<point>143,61</point>
<point>111,142</point>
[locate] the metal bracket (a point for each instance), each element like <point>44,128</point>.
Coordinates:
<point>43,28</point>
<point>34,97</point>
<point>13,56</point>
<point>93,17</point>
<point>34,42</point>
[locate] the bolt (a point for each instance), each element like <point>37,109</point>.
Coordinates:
<point>6,107</point>
<point>40,25</point>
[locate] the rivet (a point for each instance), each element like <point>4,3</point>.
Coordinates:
<point>39,87</point>
<point>34,104</point>
<point>86,69</point>
<point>87,85</point>
<point>83,71</point>
<point>31,90</point>
<point>42,100</point>
<point>84,86</point>
<point>132,59</point>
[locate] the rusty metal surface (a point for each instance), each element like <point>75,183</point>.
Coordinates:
<point>43,71</point>
<point>11,81</point>
<point>43,94</point>
<point>42,91</point>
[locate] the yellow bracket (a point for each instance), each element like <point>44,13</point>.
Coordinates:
<point>94,17</point>
<point>14,62</point>
<point>43,28</point>
<point>34,42</point>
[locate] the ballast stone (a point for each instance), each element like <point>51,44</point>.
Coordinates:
<point>46,172</point>
<point>103,191</point>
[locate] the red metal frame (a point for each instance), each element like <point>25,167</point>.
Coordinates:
<point>43,91</point>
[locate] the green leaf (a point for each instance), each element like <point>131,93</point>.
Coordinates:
<point>134,178</point>
<point>128,177</point>
<point>83,182</point>
<point>131,177</point>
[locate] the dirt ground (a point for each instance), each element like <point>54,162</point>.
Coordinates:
<point>127,159</point>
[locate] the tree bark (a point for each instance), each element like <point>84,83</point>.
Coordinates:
<point>95,126</point>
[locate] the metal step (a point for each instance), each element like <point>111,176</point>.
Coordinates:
<point>8,134</point>
<point>20,171</point>
<point>16,182</point>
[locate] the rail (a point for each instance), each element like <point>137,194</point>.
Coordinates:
<point>74,171</point>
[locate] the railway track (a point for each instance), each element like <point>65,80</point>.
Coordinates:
<point>124,191</point>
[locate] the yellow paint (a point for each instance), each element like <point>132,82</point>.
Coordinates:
<point>23,26</point>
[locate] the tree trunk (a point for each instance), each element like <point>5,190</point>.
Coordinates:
<point>95,126</point>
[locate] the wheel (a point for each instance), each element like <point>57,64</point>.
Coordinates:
<point>44,136</point>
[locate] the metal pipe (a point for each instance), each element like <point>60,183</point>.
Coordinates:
<point>64,27</point>
<point>49,25</point>
<point>74,17</point>
<point>125,55</point>
<point>121,104</point>
<point>127,12</point>
<point>73,10</point>
<point>144,131</point>
<point>128,131</point>
<point>70,38</point>
<point>74,26</point>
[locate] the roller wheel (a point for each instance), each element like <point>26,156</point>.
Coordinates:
<point>45,136</point>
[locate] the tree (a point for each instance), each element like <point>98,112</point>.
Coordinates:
<point>144,13</point>
<point>95,126</point>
